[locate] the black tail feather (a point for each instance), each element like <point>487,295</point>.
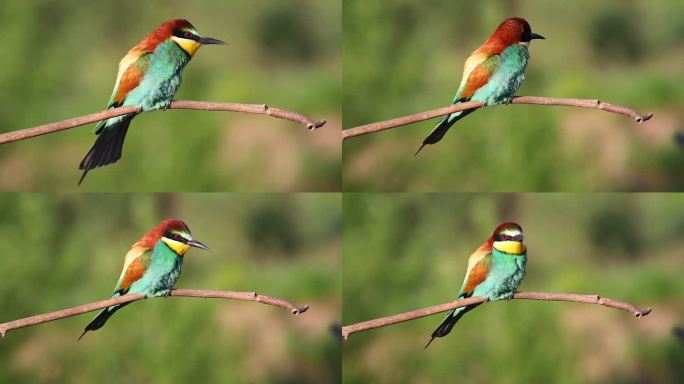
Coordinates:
<point>101,318</point>
<point>107,147</point>
<point>449,321</point>
<point>442,127</point>
<point>417,152</point>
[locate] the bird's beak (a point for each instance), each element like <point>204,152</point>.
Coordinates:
<point>197,244</point>
<point>518,238</point>
<point>210,40</point>
<point>532,36</point>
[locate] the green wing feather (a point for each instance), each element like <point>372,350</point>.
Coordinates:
<point>478,77</point>
<point>145,258</point>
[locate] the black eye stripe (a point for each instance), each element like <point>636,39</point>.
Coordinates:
<point>174,236</point>
<point>504,237</point>
<point>186,35</point>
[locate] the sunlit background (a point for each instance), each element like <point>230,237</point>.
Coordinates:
<point>63,250</point>
<point>407,251</point>
<point>406,56</point>
<point>60,61</point>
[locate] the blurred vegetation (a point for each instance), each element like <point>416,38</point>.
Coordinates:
<point>407,251</point>
<point>63,250</point>
<point>61,58</point>
<point>406,56</point>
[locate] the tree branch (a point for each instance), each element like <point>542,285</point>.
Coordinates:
<point>582,103</point>
<point>260,109</point>
<point>73,311</point>
<point>394,319</point>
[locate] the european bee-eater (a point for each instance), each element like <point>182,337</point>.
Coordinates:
<point>149,76</point>
<point>495,271</point>
<point>152,266</point>
<point>493,72</point>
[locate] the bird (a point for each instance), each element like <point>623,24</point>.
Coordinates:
<point>149,76</point>
<point>495,270</point>
<point>151,266</point>
<point>492,74</point>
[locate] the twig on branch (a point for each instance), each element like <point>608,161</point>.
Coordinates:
<point>260,109</point>
<point>394,319</point>
<point>405,120</point>
<point>73,311</point>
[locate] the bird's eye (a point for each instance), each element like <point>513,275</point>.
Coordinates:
<point>177,237</point>
<point>188,35</point>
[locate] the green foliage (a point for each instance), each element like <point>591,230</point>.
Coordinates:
<point>63,250</point>
<point>614,36</point>
<point>404,57</point>
<point>60,61</point>
<point>407,251</point>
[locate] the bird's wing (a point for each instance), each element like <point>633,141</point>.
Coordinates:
<point>131,71</point>
<point>479,264</point>
<point>137,261</point>
<point>476,73</point>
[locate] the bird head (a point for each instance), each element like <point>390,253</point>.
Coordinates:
<point>186,36</point>
<point>508,238</point>
<point>514,31</point>
<point>176,234</point>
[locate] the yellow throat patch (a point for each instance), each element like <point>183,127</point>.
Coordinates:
<point>189,46</point>
<point>510,247</point>
<point>177,246</point>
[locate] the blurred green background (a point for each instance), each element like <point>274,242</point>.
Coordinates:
<point>60,60</point>
<point>406,56</point>
<point>62,250</point>
<point>406,251</point>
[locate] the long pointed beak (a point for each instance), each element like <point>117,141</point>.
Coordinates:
<point>532,36</point>
<point>197,244</point>
<point>210,40</point>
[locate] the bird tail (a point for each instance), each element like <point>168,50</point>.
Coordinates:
<point>107,147</point>
<point>449,321</point>
<point>442,127</point>
<point>101,318</point>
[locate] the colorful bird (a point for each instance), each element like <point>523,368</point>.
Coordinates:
<point>149,76</point>
<point>495,271</point>
<point>152,266</point>
<point>493,72</point>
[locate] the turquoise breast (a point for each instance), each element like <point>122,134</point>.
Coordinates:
<point>506,80</point>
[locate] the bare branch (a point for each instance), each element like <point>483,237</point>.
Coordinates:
<point>394,319</point>
<point>261,109</point>
<point>73,311</point>
<point>405,120</point>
